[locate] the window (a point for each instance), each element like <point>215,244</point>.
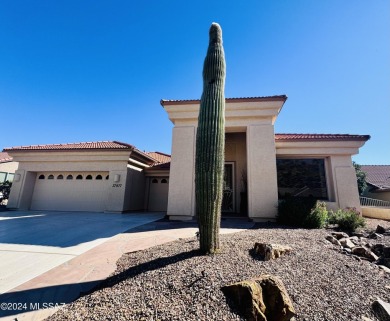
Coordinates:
<point>99,177</point>
<point>41,176</point>
<point>69,177</point>
<point>89,177</point>
<point>3,176</point>
<point>154,181</point>
<point>302,178</point>
<point>164,181</point>
<point>79,177</point>
<point>10,177</point>
<point>51,176</point>
<point>60,176</point>
<point>107,177</point>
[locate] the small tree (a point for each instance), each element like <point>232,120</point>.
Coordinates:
<point>210,144</point>
<point>5,189</point>
<point>360,177</point>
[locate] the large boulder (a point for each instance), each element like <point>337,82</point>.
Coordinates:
<point>365,253</point>
<point>271,251</point>
<point>263,298</point>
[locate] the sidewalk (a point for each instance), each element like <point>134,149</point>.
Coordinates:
<point>40,297</point>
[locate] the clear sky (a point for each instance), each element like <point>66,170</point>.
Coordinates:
<point>74,71</point>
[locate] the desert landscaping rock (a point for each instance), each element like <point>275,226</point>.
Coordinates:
<point>347,242</point>
<point>263,298</point>
<point>271,251</point>
<point>381,310</point>
<point>380,229</point>
<point>173,282</point>
<point>333,240</point>
<point>340,235</point>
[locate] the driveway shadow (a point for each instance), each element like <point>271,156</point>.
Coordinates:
<point>31,300</point>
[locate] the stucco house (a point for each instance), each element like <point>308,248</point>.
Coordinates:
<point>378,181</point>
<point>261,167</point>
<point>7,167</point>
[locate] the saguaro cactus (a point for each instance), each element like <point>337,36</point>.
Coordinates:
<point>210,144</point>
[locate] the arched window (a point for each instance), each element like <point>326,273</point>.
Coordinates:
<point>154,181</point>
<point>60,176</point>
<point>99,177</point>
<point>89,177</point>
<point>164,181</point>
<point>69,177</point>
<point>51,176</point>
<point>107,177</point>
<point>79,177</point>
<point>41,176</point>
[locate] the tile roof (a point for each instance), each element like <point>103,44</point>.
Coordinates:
<point>74,146</point>
<point>377,175</point>
<point>239,99</point>
<point>162,166</point>
<point>320,137</point>
<point>5,157</point>
<point>160,157</point>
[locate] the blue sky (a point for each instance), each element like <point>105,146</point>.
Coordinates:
<point>73,71</point>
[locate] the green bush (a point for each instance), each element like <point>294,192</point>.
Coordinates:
<point>302,212</point>
<point>348,219</point>
<point>317,217</point>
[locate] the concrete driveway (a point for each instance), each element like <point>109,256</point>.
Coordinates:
<point>34,242</point>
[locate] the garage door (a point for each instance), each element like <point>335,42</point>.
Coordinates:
<point>158,194</point>
<point>86,191</point>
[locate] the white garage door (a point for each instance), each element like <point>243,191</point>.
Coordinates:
<point>85,191</point>
<point>158,194</point>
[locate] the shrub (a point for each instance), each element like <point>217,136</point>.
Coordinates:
<point>302,212</point>
<point>348,219</point>
<point>5,189</point>
<point>317,217</point>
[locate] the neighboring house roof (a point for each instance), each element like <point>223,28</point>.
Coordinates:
<point>5,158</point>
<point>160,157</point>
<point>320,137</point>
<point>240,99</point>
<point>377,175</point>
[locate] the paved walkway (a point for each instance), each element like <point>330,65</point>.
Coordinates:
<point>37,298</point>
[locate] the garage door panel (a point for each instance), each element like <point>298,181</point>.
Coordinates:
<point>70,195</point>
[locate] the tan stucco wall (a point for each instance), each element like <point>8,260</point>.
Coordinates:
<point>262,175</point>
<point>181,200</point>
<point>256,119</point>
<point>9,167</point>
<point>114,162</point>
<point>341,177</point>
<point>376,212</point>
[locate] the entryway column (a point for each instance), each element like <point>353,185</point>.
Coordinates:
<point>262,175</point>
<point>181,199</point>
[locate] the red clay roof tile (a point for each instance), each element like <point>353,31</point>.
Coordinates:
<point>5,157</point>
<point>239,99</point>
<point>320,137</point>
<point>160,157</point>
<point>75,146</point>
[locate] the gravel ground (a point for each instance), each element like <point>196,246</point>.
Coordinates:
<point>172,282</point>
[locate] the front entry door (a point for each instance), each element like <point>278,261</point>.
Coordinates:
<point>228,188</point>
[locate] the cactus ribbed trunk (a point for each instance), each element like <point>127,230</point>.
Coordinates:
<point>210,144</point>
